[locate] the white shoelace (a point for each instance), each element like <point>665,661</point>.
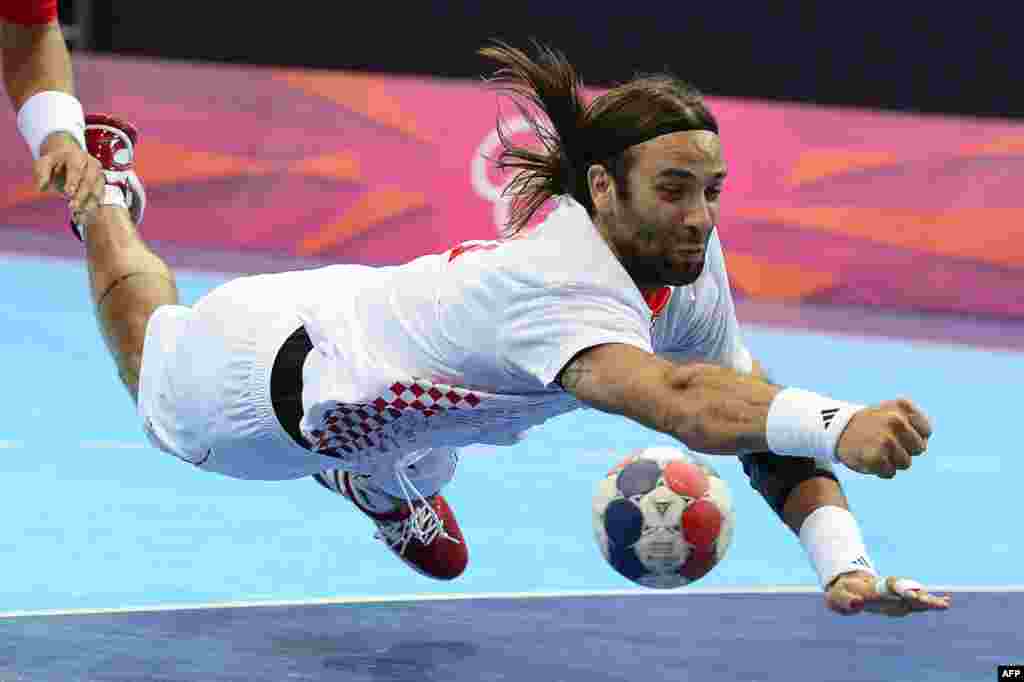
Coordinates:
<point>423,524</point>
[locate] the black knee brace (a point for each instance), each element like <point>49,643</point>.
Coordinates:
<point>775,476</point>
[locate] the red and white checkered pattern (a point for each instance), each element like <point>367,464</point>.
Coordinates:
<point>351,428</point>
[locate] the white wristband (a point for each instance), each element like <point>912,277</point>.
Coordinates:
<point>832,539</point>
<point>805,424</point>
<point>49,112</point>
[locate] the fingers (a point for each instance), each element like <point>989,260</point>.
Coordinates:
<point>907,431</point>
<point>75,169</point>
<point>913,594</point>
<point>47,173</point>
<point>858,592</point>
<point>897,597</point>
<point>83,182</point>
<point>897,457</point>
<point>909,439</point>
<point>923,601</point>
<point>910,426</point>
<point>74,173</point>
<point>889,458</point>
<point>89,192</point>
<point>916,418</point>
<point>917,601</point>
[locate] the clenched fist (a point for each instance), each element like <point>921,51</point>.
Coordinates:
<point>884,439</point>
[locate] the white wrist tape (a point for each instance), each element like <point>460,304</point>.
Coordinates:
<point>49,112</point>
<point>805,424</point>
<point>832,539</point>
<point>902,587</point>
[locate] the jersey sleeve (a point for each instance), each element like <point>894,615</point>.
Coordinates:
<point>545,327</point>
<point>713,333</point>
<point>28,12</point>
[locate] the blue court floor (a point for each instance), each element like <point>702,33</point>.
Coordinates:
<point>604,638</point>
<point>95,519</point>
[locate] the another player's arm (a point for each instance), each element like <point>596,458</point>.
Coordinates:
<point>39,80</point>
<point>35,59</point>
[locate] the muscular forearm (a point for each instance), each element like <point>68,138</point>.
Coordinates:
<point>710,409</point>
<point>35,58</point>
<point>719,411</point>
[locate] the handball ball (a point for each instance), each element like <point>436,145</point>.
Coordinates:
<point>663,517</point>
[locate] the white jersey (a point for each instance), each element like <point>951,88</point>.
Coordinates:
<point>464,346</point>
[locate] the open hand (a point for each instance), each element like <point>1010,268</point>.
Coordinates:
<point>856,592</point>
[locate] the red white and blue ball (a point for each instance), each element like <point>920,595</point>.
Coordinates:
<point>663,517</point>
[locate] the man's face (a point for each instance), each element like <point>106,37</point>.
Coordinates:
<point>660,230</point>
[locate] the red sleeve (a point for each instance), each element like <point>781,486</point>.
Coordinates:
<point>28,12</point>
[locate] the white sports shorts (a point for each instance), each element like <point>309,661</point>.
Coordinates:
<point>204,388</point>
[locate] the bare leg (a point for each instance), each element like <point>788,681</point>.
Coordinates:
<point>128,282</point>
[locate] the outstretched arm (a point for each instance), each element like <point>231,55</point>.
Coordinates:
<point>40,85</point>
<point>709,408</point>
<point>797,488</point>
<point>717,410</point>
<point>810,501</point>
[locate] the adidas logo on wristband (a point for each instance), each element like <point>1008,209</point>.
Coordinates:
<point>805,424</point>
<point>828,415</point>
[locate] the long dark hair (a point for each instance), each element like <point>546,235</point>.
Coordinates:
<point>576,134</point>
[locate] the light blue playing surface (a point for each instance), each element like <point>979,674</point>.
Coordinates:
<point>94,517</point>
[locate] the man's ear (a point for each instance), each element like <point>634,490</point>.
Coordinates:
<point>602,189</point>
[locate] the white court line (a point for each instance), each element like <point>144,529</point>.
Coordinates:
<point>352,600</point>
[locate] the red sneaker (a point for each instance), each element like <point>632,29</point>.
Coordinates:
<point>425,536</point>
<point>112,142</point>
